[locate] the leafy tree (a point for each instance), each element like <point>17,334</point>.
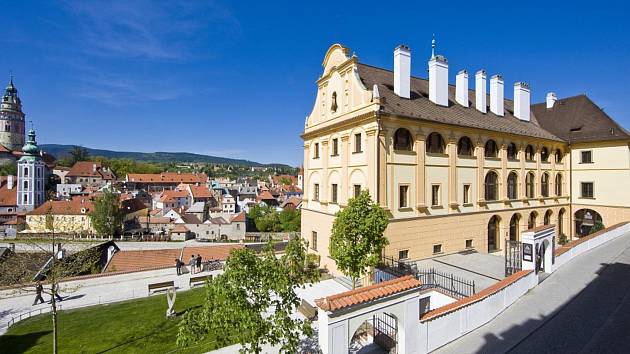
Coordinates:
<point>251,303</point>
<point>290,219</point>
<point>79,153</point>
<point>8,169</point>
<point>357,240</point>
<point>107,217</point>
<point>563,240</point>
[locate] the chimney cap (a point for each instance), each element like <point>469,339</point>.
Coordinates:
<point>481,72</point>
<point>463,71</point>
<point>522,84</point>
<point>497,77</point>
<point>439,58</point>
<point>403,47</point>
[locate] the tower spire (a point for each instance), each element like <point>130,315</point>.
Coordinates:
<point>433,47</point>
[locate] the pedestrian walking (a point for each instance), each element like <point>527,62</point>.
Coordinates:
<point>56,293</point>
<point>38,290</point>
<point>192,264</point>
<point>198,263</point>
<point>178,266</point>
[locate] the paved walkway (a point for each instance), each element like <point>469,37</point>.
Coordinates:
<point>482,268</point>
<point>81,293</point>
<point>582,307</point>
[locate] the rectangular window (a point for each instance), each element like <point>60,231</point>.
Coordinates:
<point>356,190</point>
<point>466,193</point>
<point>425,304</point>
<point>402,196</point>
<point>435,195</point>
<point>316,151</point>
<point>357,143</point>
<point>587,157</point>
<point>335,147</point>
<point>316,191</point>
<point>437,248</point>
<point>469,244</point>
<point>333,191</point>
<point>314,241</point>
<point>587,190</point>
<point>403,254</point>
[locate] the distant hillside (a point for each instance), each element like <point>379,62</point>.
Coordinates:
<point>60,151</point>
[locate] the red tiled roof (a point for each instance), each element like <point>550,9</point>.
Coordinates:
<point>493,289</point>
<point>241,217</point>
<point>75,206</point>
<point>265,195</point>
<point>8,197</point>
<point>540,228</point>
<point>144,259</point>
<point>142,220</point>
<point>180,228</point>
<point>200,192</point>
<point>368,293</point>
<point>167,177</point>
<point>170,196</point>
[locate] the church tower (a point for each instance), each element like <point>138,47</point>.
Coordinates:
<point>31,176</point>
<point>11,119</point>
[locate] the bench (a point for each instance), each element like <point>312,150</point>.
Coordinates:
<point>162,285</point>
<point>199,280</point>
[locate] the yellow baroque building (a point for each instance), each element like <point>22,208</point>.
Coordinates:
<point>456,168</point>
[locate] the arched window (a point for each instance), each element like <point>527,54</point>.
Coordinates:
<point>493,233</point>
<point>25,171</point>
<point>435,143</point>
<point>516,218</point>
<point>491,186</point>
<point>333,106</point>
<point>491,149</point>
<point>547,217</point>
<point>402,140</point>
<point>558,156</point>
<point>529,185</point>
<point>559,184</point>
<point>544,154</point>
<point>531,222</point>
<point>464,147</point>
<point>544,185</point>
<point>529,153</point>
<point>561,221</point>
<point>512,186</point>
<point>512,151</point>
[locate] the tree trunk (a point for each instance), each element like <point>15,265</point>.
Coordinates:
<point>54,317</point>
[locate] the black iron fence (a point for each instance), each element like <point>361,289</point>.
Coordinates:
<point>457,287</point>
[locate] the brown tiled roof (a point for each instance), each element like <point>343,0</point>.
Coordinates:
<point>215,252</point>
<point>170,196</point>
<point>180,228</point>
<point>132,205</point>
<point>200,192</point>
<point>293,202</point>
<point>493,289</point>
<point>8,197</point>
<point>142,220</point>
<point>368,293</point>
<point>265,195</point>
<point>144,259</point>
<point>190,219</point>
<point>419,106</point>
<point>541,227</point>
<point>65,207</point>
<point>168,177</point>
<point>588,121</point>
<point>4,148</point>
<point>89,169</point>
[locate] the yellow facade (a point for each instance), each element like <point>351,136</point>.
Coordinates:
<point>349,144</point>
<point>62,224</point>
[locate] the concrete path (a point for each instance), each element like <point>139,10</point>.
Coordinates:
<point>482,268</point>
<point>582,307</point>
<point>81,293</point>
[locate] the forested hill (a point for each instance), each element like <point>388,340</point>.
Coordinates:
<point>61,151</point>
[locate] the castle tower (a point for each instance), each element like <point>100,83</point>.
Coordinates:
<point>11,119</point>
<point>31,176</point>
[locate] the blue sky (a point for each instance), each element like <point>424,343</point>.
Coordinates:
<point>237,79</point>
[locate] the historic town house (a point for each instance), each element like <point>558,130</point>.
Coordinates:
<point>456,168</point>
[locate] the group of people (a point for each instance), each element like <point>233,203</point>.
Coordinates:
<point>39,290</point>
<point>196,264</point>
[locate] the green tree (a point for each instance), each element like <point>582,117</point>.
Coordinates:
<point>357,240</point>
<point>597,226</point>
<point>8,169</point>
<point>107,217</point>
<point>79,153</point>
<point>238,302</point>
<point>290,220</point>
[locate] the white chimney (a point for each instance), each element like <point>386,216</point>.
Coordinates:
<point>480,91</point>
<point>521,101</point>
<point>93,167</point>
<point>496,95</point>
<point>402,71</point>
<point>9,182</point>
<point>551,99</point>
<point>438,80</point>
<point>461,88</point>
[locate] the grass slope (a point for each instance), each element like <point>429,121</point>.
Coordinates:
<point>60,151</point>
<point>134,326</point>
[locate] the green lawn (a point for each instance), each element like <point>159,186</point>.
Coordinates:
<point>135,326</point>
